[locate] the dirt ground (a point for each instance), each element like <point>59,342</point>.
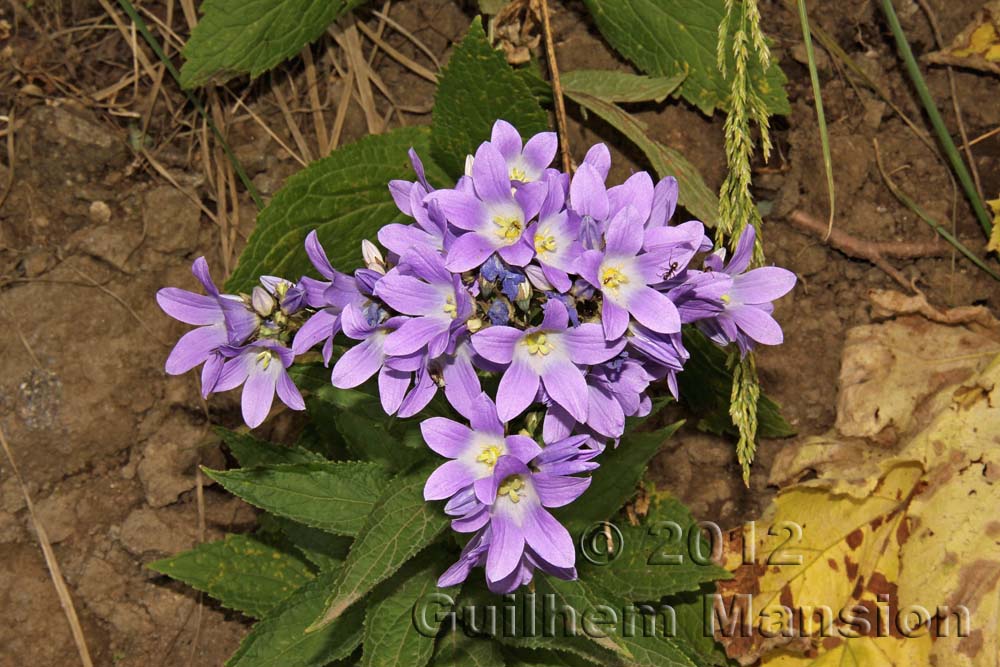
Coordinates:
<point>110,199</point>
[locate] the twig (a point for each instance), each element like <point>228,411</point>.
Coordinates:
<point>894,303</point>
<point>65,599</point>
<point>557,92</point>
<point>931,222</point>
<point>935,116</point>
<point>312,83</point>
<point>9,185</point>
<point>862,249</point>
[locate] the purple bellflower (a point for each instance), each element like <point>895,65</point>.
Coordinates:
<point>262,368</point>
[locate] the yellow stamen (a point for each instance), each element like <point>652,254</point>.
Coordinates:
<point>538,343</point>
<point>489,455</point>
<point>517,174</point>
<point>612,277</point>
<point>450,308</point>
<point>510,487</point>
<point>264,357</point>
<point>508,228</point>
<point>544,243</point>
<point>726,298</point>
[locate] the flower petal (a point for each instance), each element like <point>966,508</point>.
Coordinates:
<point>757,324</point>
<point>614,319</point>
<point>447,480</point>
<point>194,347</point>
<point>522,447</point>
<point>654,310</point>
<point>506,139</point>
<point>358,364</point>
<point>538,153</point>
<point>188,307</point>
<point>557,490</point>
<point>490,175</point>
<point>587,193</point>
<point>446,437</point>
<point>414,334</point>
<point>496,343</point>
<point>462,209</point>
<point>599,157</point>
<point>468,252</point>
<point>517,390</point>
<point>289,393</point>
<point>392,386</point>
<point>409,295</point>
<point>565,385</point>
<point>506,548</point>
<point>258,395</point>
<point>548,538</point>
<point>762,285</point>
<point>588,345</point>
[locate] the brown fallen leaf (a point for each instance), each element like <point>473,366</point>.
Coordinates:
<point>978,45</point>
<point>879,553</point>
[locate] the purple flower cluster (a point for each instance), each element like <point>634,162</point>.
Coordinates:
<point>570,292</point>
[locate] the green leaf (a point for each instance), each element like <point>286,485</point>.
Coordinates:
<point>251,452</point>
<point>663,555</point>
<point>344,197</point>
<point>693,194</point>
<point>699,645</point>
<point>322,549</point>
<point>280,640</point>
<point>612,86</point>
<point>239,36</point>
<point>706,386</point>
<point>621,471</point>
<point>457,650</point>
<point>400,524</point>
<point>391,636</point>
<point>239,571</point>
<point>667,37</point>
<point>332,496</point>
<point>476,88</point>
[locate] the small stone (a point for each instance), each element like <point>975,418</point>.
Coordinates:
<point>172,220</point>
<point>36,262</point>
<point>144,531</point>
<point>107,243</point>
<point>99,212</point>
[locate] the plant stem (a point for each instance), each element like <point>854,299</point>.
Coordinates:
<point>939,128</point>
<point>140,25</point>
<point>824,135</point>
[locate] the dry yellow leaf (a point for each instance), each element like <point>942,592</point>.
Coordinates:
<point>887,549</point>
<point>994,243</point>
<point>978,45</point>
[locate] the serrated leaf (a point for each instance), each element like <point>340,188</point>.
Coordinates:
<point>333,496</point>
<point>476,88</point>
<point>391,636</point>
<point>251,452</point>
<point>664,554</point>
<point>667,37</point>
<point>699,645</point>
<point>322,549</point>
<point>621,470</point>
<point>251,36</point>
<point>706,386</point>
<point>280,640</point>
<point>457,650</point>
<point>612,86</point>
<point>344,197</point>
<point>693,194</point>
<point>239,571</point>
<point>399,526</point>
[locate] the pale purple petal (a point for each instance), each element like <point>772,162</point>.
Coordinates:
<point>762,285</point>
<point>588,345</point>
<point>637,192</point>
<point>468,252</point>
<point>399,238</point>
<point>625,233</point>
<point>505,138</point>
<point>743,253</point>
<point>318,256</point>
<point>409,295</point>
<point>321,326</point>
<point>210,373</point>
<point>258,395</point>
<point>565,385</point>
<point>589,266</point>
<point>506,547</point>
<point>548,538</point>
<point>422,393</point>
<point>558,424</point>
<point>757,324</point>
<point>614,319</point>
<point>461,384</point>
<point>522,447</point>
<point>664,201</point>
<point>605,414</point>
<point>189,307</point>
<point>414,334</point>
<point>558,490</point>
<point>392,386</point>
<point>654,310</point>
<point>357,364</point>
<point>449,478</point>
<point>587,194</point>
<point>289,393</point>
<point>531,196</point>
<point>496,343</point>
<point>234,372</point>
<point>194,347</point>
<point>462,209</point>
<point>483,417</point>
<point>599,157</point>
<point>490,175</point>
<point>539,151</point>
<point>446,437</point>
<point>517,390</point>
<point>519,253</point>
<point>556,317</point>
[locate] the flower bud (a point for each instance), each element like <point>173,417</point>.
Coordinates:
<point>468,166</point>
<point>474,324</point>
<point>523,297</point>
<point>373,257</point>
<point>263,303</point>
